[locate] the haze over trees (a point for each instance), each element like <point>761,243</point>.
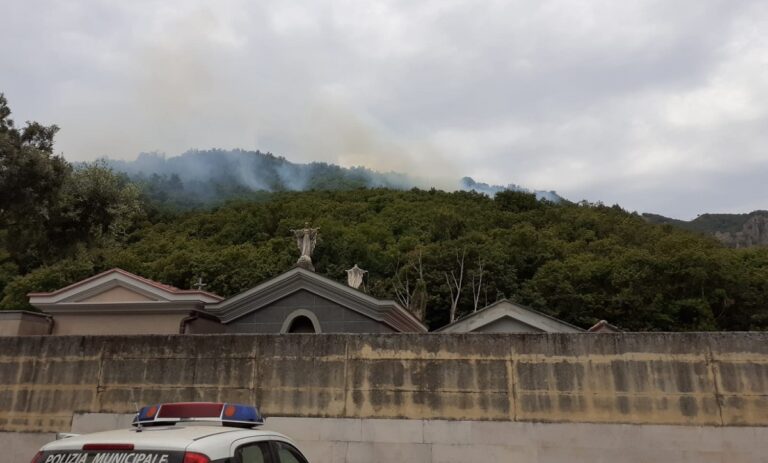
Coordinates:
<point>201,178</point>
<point>580,262</point>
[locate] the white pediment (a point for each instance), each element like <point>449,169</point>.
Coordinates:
<point>504,316</point>
<point>507,324</point>
<point>117,287</point>
<point>116,294</point>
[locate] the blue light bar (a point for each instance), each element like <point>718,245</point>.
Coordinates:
<point>225,413</point>
<point>241,415</point>
<point>148,413</point>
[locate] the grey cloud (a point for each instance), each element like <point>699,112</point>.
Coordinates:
<point>646,103</point>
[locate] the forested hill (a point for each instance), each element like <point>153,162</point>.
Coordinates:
<point>200,178</point>
<point>734,230</point>
<point>579,262</point>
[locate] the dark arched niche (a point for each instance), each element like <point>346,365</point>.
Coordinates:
<point>301,324</point>
<point>301,321</point>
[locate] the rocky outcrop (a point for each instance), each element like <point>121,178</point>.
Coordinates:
<point>754,232</point>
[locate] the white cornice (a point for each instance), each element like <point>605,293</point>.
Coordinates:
<point>139,307</point>
<point>118,278</point>
<point>506,309</point>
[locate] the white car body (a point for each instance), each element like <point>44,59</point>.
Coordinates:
<point>169,444</point>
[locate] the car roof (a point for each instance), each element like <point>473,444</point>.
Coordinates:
<point>177,437</point>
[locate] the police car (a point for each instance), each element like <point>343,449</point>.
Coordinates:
<point>180,433</point>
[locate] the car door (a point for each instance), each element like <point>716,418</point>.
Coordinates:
<point>286,453</point>
<point>254,452</point>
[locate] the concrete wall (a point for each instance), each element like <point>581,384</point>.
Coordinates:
<point>354,440</point>
<point>117,324</point>
<point>417,398</point>
<point>438,441</point>
<point>10,326</point>
<point>23,323</point>
<point>20,447</point>
<point>202,325</point>
<point>688,379</point>
<point>333,317</point>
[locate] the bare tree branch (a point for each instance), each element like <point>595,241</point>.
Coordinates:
<point>402,290</point>
<point>421,267</point>
<point>414,299</point>
<point>456,284</point>
<point>476,289</point>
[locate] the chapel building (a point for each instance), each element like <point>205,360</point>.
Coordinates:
<point>117,302</point>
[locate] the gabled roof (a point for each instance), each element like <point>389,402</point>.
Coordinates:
<point>604,327</point>
<point>507,309</point>
<point>384,311</point>
<point>147,293</point>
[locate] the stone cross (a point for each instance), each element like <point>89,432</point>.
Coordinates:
<point>200,285</point>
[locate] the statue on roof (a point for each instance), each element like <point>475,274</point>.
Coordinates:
<point>355,276</point>
<point>306,240</point>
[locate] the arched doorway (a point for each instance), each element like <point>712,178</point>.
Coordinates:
<point>301,324</point>
<point>301,321</point>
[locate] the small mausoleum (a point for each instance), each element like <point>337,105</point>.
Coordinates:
<point>119,302</point>
<point>507,317</point>
<point>24,323</point>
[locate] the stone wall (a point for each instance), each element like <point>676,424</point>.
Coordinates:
<point>333,440</point>
<point>415,398</point>
<point>356,440</point>
<point>718,379</point>
<point>23,323</point>
<point>119,324</point>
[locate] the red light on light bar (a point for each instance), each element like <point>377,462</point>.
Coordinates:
<point>191,410</point>
<point>151,412</point>
<point>108,447</point>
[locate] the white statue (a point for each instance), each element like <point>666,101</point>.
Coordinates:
<point>306,240</point>
<point>355,276</point>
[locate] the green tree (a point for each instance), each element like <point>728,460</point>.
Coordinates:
<point>95,206</point>
<point>516,201</point>
<point>31,178</point>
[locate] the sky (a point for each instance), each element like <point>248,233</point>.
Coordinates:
<point>658,106</point>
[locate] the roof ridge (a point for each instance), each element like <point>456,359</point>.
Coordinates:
<point>156,284</point>
<point>513,303</point>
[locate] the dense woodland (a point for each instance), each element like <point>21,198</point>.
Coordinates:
<point>577,261</point>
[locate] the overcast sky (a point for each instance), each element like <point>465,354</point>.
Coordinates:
<point>658,106</point>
